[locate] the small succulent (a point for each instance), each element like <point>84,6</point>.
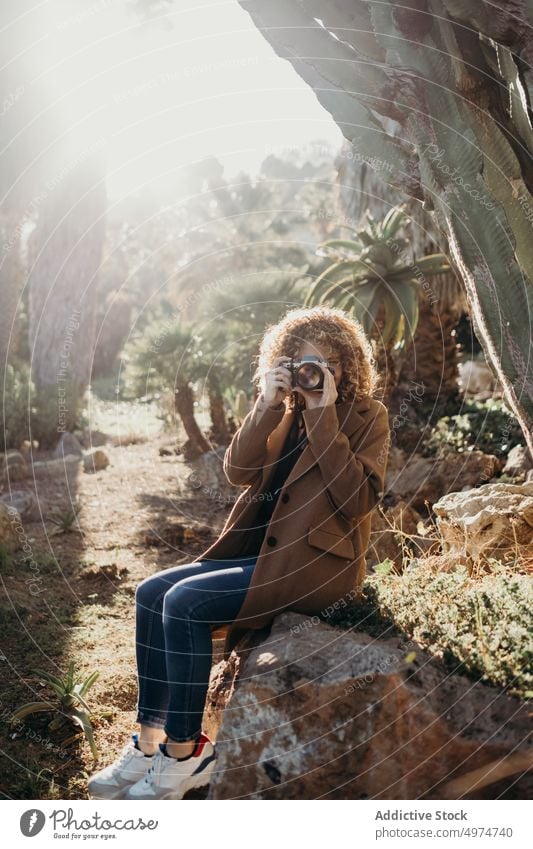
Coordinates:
<point>66,519</point>
<point>72,705</point>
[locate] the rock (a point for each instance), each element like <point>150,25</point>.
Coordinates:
<point>91,438</point>
<point>68,446</point>
<point>426,479</point>
<point>65,464</point>
<point>518,461</point>
<point>207,475</point>
<point>224,674</point>
<point>495,520</point>
<point>13,466</point>
<point>95,460</point>
<point>388,535</point>
<point>11,530</point>
<point>477,380</point>
<point>24,503</point>
<point>321,713</point>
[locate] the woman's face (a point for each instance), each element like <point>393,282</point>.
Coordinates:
<point>326,354</point>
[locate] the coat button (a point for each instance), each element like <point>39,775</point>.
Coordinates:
<point>271,540</point>
<point>285,497</point>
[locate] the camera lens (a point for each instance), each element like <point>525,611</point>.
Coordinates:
<point>309,376</point>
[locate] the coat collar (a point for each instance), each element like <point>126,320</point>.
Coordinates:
<point>350,414</point>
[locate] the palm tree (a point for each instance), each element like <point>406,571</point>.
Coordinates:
<point>167,357</point>
<point>373,280</point>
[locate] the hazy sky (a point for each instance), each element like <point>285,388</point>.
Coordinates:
<point>156,96</point>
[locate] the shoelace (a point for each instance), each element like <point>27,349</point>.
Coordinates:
<point>155,769</point>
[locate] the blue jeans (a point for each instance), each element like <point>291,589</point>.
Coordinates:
<point>174,610</point>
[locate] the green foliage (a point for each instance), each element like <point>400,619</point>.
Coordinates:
<point>16,406</point>
<point>71,704</point>
<point>481,627</point>
<point>65,520</point>
<point>484,425</point>
<point>165,357</point>
<point>370,270</point>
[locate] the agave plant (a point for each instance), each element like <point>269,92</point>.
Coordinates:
<point>65,520</point>
<point>72,705</point>
<point>370,272</point>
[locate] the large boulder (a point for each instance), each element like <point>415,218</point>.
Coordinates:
<point>317,712</point>
<point>425,479</point>
<point>24,502</point>
<point>68,445</point>
<point>519,462</point>
<point>495,520</point>
<point>13,467</point>
<point>67,464</point>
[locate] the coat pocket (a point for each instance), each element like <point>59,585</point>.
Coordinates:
<point>332,543</point>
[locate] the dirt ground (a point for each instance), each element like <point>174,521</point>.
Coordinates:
<point>84,610</point>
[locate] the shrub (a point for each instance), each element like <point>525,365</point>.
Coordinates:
<point>480,627</point>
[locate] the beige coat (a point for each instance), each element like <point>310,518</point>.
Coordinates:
<point>313,553</point>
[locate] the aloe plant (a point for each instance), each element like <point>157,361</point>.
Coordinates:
<point>66,519</point>
<point>70,691</point>
<point>370,270</point>
<point>454,78</point>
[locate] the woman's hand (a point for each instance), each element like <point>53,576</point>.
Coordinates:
<point>327,396</point>
<point>277,383</point>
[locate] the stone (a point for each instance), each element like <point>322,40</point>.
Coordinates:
<point>95,460</point>
<point>10,539</point>
<point>477,380</point>
<point>24,502</point>
<point>321,713</point>
<point>13,466</point>
<point>494,520</point>
<point>65,464</point>
<point>67,446</point>
<point>207,476</point>
<point>518,461</point>
<point>423,480</point>
<point>90,438</point>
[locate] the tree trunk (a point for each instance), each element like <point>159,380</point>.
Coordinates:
<point>66,250</point>
<point>219,425</point>
<point>184,406</point>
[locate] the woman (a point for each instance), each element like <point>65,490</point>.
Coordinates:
<point>313,462</point>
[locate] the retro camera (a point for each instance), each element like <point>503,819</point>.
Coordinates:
<point>307,374</point>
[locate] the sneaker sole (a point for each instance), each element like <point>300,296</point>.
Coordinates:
<point>119,794</point>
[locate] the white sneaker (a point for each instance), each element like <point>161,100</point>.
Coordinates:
<point>169,778</point>
<point>113,781</point>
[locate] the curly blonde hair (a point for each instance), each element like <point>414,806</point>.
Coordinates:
<point>328,327</point>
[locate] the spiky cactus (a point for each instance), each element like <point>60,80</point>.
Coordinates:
<point>455,78</point>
